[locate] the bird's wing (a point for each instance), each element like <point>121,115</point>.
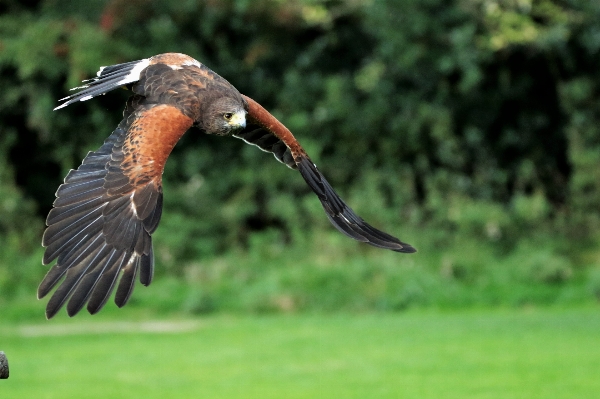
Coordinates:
<point>107,209</point>
<point>169,78</point>
<point>267,133</point>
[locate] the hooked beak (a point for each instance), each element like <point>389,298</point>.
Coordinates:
<point>238,120</point>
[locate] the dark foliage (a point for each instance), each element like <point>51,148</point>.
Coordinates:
<point>440,108</point>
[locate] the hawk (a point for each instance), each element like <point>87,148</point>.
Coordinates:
<point>104,214</point>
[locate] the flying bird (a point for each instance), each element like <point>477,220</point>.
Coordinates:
<point>104,214</point>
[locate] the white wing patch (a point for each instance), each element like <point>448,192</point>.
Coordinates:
<point>134,74</point>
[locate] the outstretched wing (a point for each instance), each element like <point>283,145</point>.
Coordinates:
<point>107,209</point>
<point>170,78</point>
<point>267,133</point>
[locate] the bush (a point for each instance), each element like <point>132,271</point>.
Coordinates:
<point>471,124</point>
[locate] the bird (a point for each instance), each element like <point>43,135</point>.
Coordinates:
<point>105,212</point>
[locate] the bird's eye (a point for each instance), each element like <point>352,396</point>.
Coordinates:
<point>228,116</point>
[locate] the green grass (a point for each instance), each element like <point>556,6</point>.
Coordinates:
<point>474,354</point>
<point>327,272</point>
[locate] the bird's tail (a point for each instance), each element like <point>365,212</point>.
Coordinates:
<point>107,79</point>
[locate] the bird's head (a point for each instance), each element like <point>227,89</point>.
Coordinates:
<point>224,116</point>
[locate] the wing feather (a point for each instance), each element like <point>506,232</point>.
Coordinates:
<point>84,289</point>
<point>267,133</point>
<point>106,282</point>
<point>105,213</point>
<point>260,136</point>
<point>147,268</point>
<point>127,282</point>
<point>73,277</point>
<point>65,243</point>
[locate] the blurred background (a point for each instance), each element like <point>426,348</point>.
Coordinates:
<point>467,128</point>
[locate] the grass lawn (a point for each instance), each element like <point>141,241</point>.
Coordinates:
<point>468,354</point>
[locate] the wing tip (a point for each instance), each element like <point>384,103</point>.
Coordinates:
<point>406,249</point>
<point>51,311</point>
<point>61,106</point>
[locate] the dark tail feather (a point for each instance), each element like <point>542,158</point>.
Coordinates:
<point>108,78</point>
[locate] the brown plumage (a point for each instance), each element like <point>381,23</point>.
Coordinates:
<point>106,210</point>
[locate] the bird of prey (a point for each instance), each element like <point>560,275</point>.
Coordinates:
<point>104,214</point>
